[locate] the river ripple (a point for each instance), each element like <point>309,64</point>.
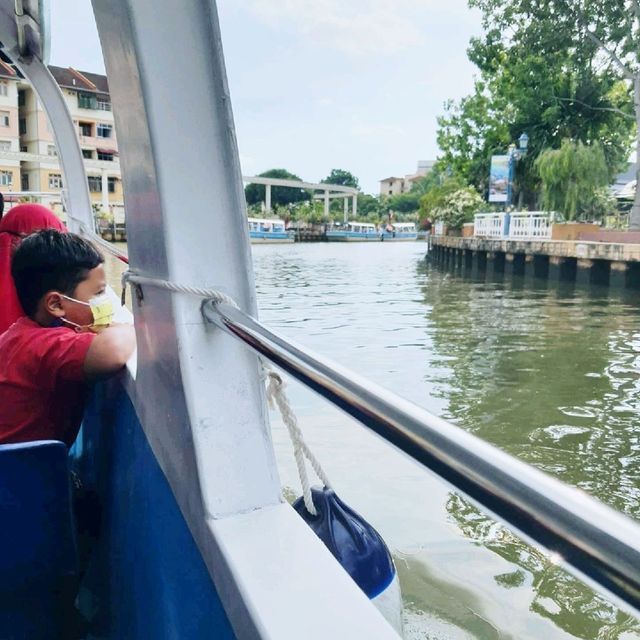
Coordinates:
<point>549,375</point>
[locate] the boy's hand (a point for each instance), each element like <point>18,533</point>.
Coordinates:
<point>109,351</point>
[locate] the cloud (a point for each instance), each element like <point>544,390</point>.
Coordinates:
<point>373,130</point>
<point>357,27</point>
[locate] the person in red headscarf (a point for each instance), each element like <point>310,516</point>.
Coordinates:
<point>19,222</point>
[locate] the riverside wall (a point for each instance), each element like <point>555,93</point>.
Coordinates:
<point>615,264</point>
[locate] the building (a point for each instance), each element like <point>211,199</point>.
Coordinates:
<point>394,185</point>
<point>28,154</point>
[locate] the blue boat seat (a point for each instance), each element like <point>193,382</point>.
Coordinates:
<point>38,559</point>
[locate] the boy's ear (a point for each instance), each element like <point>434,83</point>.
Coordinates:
<point>53,304</point>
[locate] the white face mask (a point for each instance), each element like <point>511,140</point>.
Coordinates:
<point>101,310</point>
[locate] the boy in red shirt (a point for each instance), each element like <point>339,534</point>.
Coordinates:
<point>48,358</point>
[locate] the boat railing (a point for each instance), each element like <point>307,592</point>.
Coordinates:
<point>600,545</point>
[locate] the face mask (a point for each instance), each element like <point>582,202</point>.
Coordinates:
<point>101,310</point>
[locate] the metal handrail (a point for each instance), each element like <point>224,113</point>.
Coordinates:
<point>599,544</point>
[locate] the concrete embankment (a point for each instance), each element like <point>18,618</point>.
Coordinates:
<point>615,264</point>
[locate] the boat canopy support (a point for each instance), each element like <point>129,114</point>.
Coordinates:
<point>595,542</point>
<point>25,41</point>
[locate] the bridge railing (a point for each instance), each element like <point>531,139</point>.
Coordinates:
<point>529,225</point>
<point>490,225</point>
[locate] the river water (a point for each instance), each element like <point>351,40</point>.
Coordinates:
<point>549,375</point>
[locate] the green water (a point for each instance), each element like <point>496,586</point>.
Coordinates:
<point>551,376</point>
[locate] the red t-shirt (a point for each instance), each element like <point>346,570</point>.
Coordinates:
<point>42,384</point>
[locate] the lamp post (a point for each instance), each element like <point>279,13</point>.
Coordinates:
<point>514,156</point>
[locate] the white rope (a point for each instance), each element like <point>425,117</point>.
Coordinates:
<point>277,395</point>
<point>202,292</point>
<point>275,385</point>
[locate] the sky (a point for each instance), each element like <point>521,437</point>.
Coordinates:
<point>322,84</point>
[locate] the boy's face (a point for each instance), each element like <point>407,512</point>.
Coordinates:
<point>94,284</point>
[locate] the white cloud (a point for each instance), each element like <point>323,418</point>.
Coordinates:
<point>358,28</point>
<point>373,130</point>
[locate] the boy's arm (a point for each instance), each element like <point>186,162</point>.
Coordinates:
<point>109,351</point>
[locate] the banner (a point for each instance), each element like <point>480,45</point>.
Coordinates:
<point>499,178</point>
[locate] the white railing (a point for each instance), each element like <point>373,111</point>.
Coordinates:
<point>489,225</point>
<point>528,225</point>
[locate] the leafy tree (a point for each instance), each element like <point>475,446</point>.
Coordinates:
<point>571,176</point>
<point>342,177</point>
<point>255,193</point>
<point>533,81</point>
<point>598,40</point>
<point>453,202</point>
<point>404,202</point>
<point>369,206</point>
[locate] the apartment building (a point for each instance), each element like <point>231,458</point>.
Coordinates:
<point>9,135</point>
<point>28,155</point>
<point>395,185</point>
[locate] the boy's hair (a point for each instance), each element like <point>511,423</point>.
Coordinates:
<point>50,260</point>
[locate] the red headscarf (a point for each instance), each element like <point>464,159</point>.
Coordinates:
<point>20,221</point>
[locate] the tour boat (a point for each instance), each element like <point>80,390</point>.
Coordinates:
<point>399,231</point>
<point>192,537</point>
<point>268,230</point>
<point>354,232</point>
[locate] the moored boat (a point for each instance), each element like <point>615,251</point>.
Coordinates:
<point>354,232</point>
<point>399,231</point>
<point>269,230</point>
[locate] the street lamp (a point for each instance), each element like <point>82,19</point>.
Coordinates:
<point>523,142</point>
<point>514,156</point>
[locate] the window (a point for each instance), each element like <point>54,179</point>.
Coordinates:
<point>104,131</point>
<point>4,118</point>
<point>112,184</point>
<point>22,98</point>
<point>51,150</point>
<point>104,105</point>
<point>24,182</point>
<point>5,145</point>
<point>105,155</point>
<point>95,184</point>
<point>4,88</point>
<point>87,101</point>
<point>22,126</point>
<point>86,128</point>
<point>55,181</point>
<point>87,153</point>
<point>6,178</point>
<point>24,148</point>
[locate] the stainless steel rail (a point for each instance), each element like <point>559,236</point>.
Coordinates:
<point>599,544</point>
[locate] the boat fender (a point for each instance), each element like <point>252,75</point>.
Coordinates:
<point>359,548</point>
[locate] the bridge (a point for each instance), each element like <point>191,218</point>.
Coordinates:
<point>109,168</point>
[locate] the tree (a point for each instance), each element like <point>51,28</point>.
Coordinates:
<point>369,207</point>
<point>602,36</point>
<point>529,83</point>
<point>255,193</point>
<point>453,202</point>
<point>342,177</point>
<point>404,202</point>
<point>571,177</point>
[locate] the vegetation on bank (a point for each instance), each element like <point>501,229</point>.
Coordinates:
<point>565,74</point>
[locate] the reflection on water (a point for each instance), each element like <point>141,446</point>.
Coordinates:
<point>550,376</point>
